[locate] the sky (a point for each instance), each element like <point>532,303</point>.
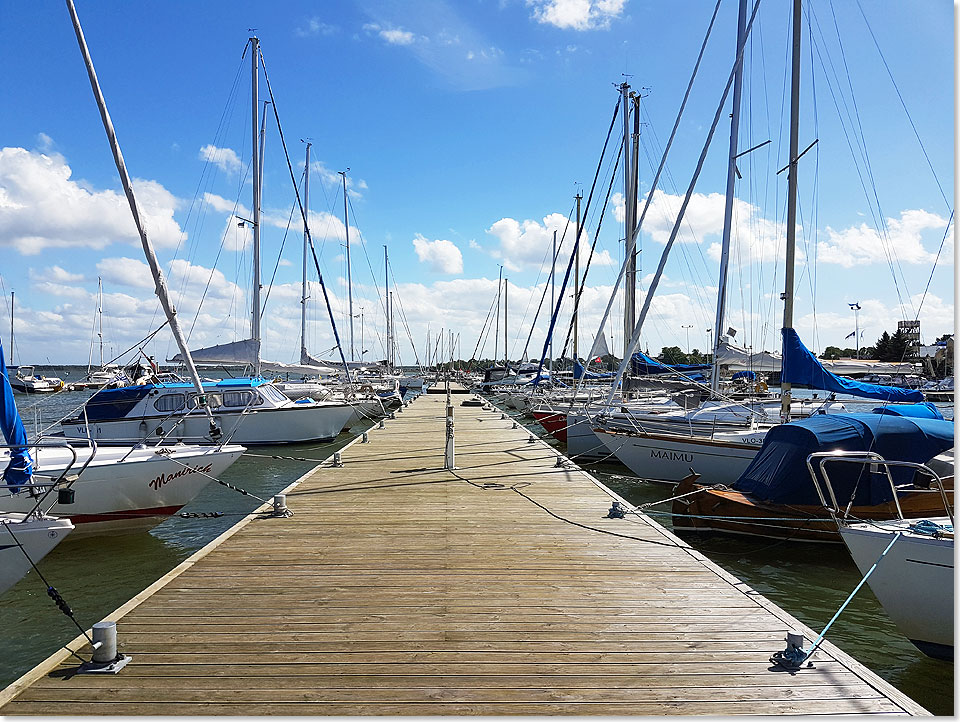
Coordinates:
<point>465,130</point>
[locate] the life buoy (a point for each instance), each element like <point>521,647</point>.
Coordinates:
<point>760,388</point>
<point>366,388</point>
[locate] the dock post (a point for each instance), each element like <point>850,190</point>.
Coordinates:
<point>448,454</point>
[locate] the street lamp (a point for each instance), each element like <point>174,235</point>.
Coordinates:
<point>710,342</point>
<point>688,337</point>
<point>360,316</point>
<point>855,307</point>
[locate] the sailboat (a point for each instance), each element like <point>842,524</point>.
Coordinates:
<point>772,497</point>
<point>25,538</point>
<point>247,410</point>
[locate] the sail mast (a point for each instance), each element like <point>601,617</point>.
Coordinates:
<point>576,285</point>
<point>346,230</point>
<point>553,284</point>
<point>306,240</point>
<point>728,207</point>
<point>386,301</point>
<point>506,356</point>
<point>100,317</point>
<point>255,318</point>
<point>630,278</point>
<point>788,275</point>
<point>161,284</point>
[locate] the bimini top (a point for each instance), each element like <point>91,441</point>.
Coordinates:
<point>778,473</point>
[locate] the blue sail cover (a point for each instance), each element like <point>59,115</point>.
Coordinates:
<point>643,365</point>
<point>748,375</point>
<point>778,474</point>
<point>802,367</point>
<point>926,410</point>
<point>580,372</point>
<point>20,468</point>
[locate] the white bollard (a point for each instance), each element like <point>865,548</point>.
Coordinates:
<point>448,453</point>
<point>364,439</point>
<point>280,504</point>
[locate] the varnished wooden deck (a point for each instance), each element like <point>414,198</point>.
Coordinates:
<point>401,588</point>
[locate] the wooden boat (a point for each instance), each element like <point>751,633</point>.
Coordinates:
<point>776,498</point>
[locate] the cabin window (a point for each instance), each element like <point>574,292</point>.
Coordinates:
<point>170,402</point>
<point>239,398</point>
<point>272,393</point>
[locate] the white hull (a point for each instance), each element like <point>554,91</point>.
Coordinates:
<point>290,424</point>
<point>120,492</point>
<point>582,443</point>
<point>36,537</point>
<point>669,459</point>
<point>913,582</point>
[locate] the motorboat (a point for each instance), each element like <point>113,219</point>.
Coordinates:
<point>247,410</point>
<point>908,563</point>
<point>25,380</point>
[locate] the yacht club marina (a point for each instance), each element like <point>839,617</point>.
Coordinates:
<point>497,587</point>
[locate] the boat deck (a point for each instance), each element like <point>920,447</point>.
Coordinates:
<point>499,589</point>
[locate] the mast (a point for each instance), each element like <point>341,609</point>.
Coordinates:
<point>553,283</point>
<point>576,284</point>
<point>386,301</point>
<point>161,284</point>
<point>100,317</point>
<point>306,241</point>
<point>346,230</point>
<point>791,196</point>
<point>393,341</point>
<point>506,355</point>
<point>496,330</point>
<point>728,206</point>
<point>11,330</point>
<point>255,319</point>
<point>630,277</point>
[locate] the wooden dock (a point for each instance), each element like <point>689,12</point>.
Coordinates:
<point>400,588</point>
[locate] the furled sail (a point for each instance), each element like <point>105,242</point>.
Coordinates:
<point>235,353</point>
<point>737,358</point>
<point>276,367</point>
<point>802,367</point>
<point>20,468</point>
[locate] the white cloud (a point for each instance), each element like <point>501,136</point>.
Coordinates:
<point>126,272</point>
<point>314,26</point>
<point>862,245</point>
<point>226,159</point>
<point>55,274</point>
<point>577,14</point>
<point>443,256</point>
<point>42,207</point>
<point>397,36</point>
<point>529,244</point>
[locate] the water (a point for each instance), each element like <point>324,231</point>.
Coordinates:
<point>95,576</point>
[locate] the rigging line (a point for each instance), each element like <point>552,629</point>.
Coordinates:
<point>872,202</point>
<point>596,236</point>
<point>543,296</point>
<point>903,103</point>
<point>403,316</point>
<point>303,215</point>
<point>483,330</point>
<point>363,245</point>
<point>946,234</point>
<point>283,242</point>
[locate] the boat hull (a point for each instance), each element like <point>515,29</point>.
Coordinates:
<point>554,422</point>
<point>668,459</point>
<point>118,492</point>
<point>37,537</point>
<point>703,508</point>
<point>913,582</point>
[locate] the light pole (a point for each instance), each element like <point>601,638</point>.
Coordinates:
<point>710,343</point>
<point>360,316</point>
<point>688,337</point>
<point>856,314</point>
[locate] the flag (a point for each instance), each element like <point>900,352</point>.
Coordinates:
<point>732,332</point>
<point>850,335</point>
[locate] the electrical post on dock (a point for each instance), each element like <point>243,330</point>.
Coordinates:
<point>448,455</point>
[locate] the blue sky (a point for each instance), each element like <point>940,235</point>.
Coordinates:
<point>467,127</point>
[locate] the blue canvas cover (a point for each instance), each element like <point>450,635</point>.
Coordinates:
<point>749,375</point>
<point>926,410</point>
<point>20,468</point>
<point>643,365</point>
<point>802,367</point>
<point>778,474</point>
<point>580,372</point>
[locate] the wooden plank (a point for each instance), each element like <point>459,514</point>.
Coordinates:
<point>400,588</point>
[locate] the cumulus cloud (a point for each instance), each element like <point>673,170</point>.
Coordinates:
<point>42,207</point>
<point>314,26</point>
<point>55,274</point>
<point>529,244</point>
<point>441,255</point>
<point>125,272</point>
<point>577,14</point>
<point>226,159</point>
<point>863,245</point>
